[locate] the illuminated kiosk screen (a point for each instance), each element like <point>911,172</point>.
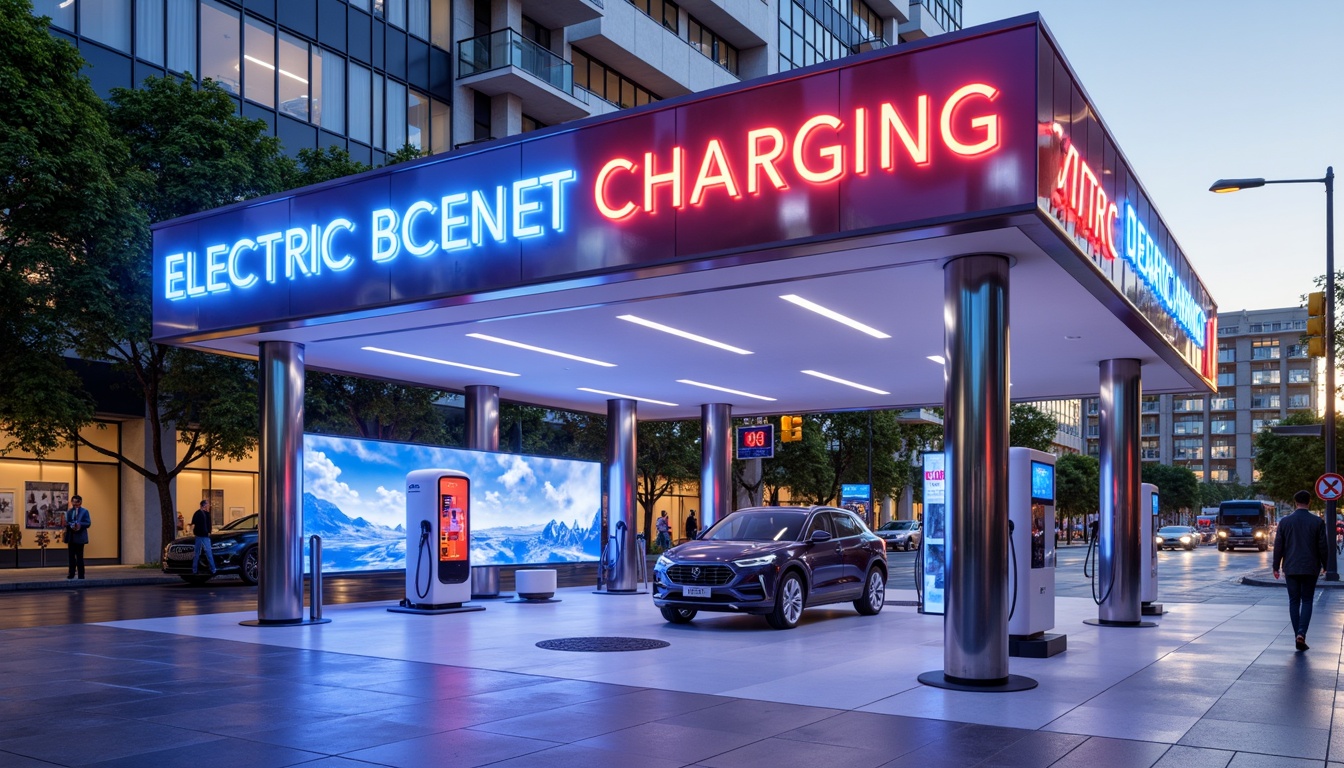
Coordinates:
<point>1155,504</point>
<point>1042,482</point>
<point>453,530</point>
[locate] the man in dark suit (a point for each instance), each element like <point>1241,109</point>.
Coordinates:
<point>1299,548</point>
<point>77,522</point>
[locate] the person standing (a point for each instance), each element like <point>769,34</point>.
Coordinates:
<point>664,527</point>
<point>1299,548</point>
<point>200,528</point>
<point>77,522</point>
<point>692,525</point>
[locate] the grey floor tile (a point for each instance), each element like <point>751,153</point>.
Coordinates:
<point>243,717</point>
<point>757,718</point>
<point>892,734</point>
<point>964,746</point>
<point>11,760</point>
<point>573,756</point>
<point>1194,757</point>
<point>106,742</point>
<point>773,753</point>
<point>223,753</point>
<point>1098,752</point>
<point>1308,712</point>
<point>451,749</point>
<point>670,742</point>
<point>340,735</point>
<point>1250,760</point>
<point>1037,749</point>
<point>335,762</point>
<point>566,724</point>
<point>1288,741</point>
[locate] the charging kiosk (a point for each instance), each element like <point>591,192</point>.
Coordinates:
<point>1148,506</point>
<point>1031,584</point>
<point>438,543</point>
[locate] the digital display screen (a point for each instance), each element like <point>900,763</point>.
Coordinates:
<point>1155,505</point>
<point>1042,481</point>
<point>453,529</point>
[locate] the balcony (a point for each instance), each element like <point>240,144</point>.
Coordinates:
<point>506,62</point>
<point>929,18</point>
<point>556,14</point>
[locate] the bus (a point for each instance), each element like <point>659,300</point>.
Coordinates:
<point>1244,523</point>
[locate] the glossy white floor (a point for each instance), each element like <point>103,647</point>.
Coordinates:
<point>1175,683</point>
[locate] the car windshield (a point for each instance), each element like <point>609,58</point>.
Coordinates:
<point>898,525</point>
<point>758,525</point>
<point>1174,530</point>
<point>248,523</point>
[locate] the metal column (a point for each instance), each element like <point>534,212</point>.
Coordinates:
<point>975,438</point>
<point>1119,555</point>
<point>622,428</point>
<point>482,408</point>
<point>280,595</point>
<point>716,462</point>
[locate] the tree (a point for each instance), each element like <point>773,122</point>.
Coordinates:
<point>374,409</point>
<point>667,454</point>
<point>1178,489</point>
<point>1077,488</point>
<point>1291,463</point>
<point>1212,494</point>
<point>1030,427</point>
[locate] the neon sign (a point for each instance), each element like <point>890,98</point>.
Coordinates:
<point>1079,194</point>
<point>1144,254</point>
<point>822,149</point>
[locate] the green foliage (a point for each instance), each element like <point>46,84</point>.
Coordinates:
<point>1178,488</point>
<point>667,454</point>
<point>1212,494</point>
<point>374,409</point>
<point>314,166</point>
<point>1077,484</point>
<point>1030,427</point>
<point>1291,463</point>
<point>406,153</point>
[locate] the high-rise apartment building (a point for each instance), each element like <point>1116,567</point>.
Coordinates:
<point>1264,374</point>
<point>371,76</point>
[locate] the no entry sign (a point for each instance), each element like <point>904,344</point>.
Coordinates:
<point>1329,487</point>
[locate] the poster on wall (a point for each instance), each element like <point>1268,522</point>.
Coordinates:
<point>44,505</point>
<point>525,509</point>
<point>6,507</point>
<point>935,531</point>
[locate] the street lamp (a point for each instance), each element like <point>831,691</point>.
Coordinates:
<point>1233,185</point>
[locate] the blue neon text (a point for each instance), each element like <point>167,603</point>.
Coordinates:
<point>1143,253</point>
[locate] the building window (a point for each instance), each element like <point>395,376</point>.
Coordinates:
<point>361,103</point>
<point>1222,450</point>
<point>1227,379</point>
<point>1229,330</point>
<point>1259,424</point>
<point>482,117</point>
<point>810,32</point>
<point>531,124</point>
<point>149,24</point>
<point>536,33</point>
<point>1218,476</point>
<point>711,45</point>
<point>440,127</point>
<point>219,45</point>
<point>1265,401</point>
<point>1227,354</point>
<point>664,12</point>
<point>294,77</point>
<point>259,62</point>
<point>379,114</point>
<point>1188,425</point>
<point>1299,376</point>
<point>393,10</point>
<point>1188,404</point>
<point>1297,350</point>
<point>417,19</point>
<point>61,12</point>
<point>417,120</point>
<point>1188,449</point>
<point>1223,404</point>
<point>607,83</point>
<point>1270,376</point>
<point>1265,349</point>
<point>182,37</point>
<point>329,90</point>
<point>1223,427</point>
<point>396,116</point>
<point>108,22</point>
<point>441,24</point>
<point>1149,448</point>
<point>1299,401</point>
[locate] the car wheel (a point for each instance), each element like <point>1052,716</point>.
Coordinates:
<point>789,603</point>
<point>251,570</point>
<point>1189,547</point>
<point>678,615</point>
<point>195,578</point>
<point>909,545</point>
<point>1222,547</point>
<point>874,594</point>
<point>1263,547</point>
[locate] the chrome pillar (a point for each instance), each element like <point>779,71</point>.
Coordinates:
<point>483,435</point>
<point>280,530</point>
<point>483,417</point>
<point>1119,560</point>
<point>622,428</point>
<point>716,462</point>
<point>975,436</point>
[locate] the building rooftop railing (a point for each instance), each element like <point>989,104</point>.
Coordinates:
<point>508,48</point>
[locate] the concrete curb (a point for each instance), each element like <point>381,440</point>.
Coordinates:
<point>1268,580</point>
<point>24,586</point>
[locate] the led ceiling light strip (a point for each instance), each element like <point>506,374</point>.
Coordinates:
<point>542,350</point>
<point>846,382</point>
<point>435,360</point>
<point>836,316</point>
<point>683,334</point>
<point>271,67</point>
<point>725,389</point>
<point>625,397</point>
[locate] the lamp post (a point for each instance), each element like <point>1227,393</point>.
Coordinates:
<point>1233,185</point>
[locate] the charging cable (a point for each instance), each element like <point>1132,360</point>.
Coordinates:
<point>422,549</point>
<point>1012,555</point>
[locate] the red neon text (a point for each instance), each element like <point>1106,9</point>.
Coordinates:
<point>823,149</point>
<point>1079,195</point>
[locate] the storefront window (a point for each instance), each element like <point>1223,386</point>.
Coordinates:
<point>219,45</point>
<point>259,62</point>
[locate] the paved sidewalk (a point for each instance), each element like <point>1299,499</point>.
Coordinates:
<point>53,577</point>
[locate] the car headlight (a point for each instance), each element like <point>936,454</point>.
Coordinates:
<point>1259,534</point>
<point>663,562</point>
<point>1222,534</point>
<point>1159,539</point>
<point>754,562</point>
<point>1185,539</point>
<point>221,544</point>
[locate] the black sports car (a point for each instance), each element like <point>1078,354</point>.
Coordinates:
<point>773,561</point>
<point>234,547</point>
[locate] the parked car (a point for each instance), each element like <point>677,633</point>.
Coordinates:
<point>1177,537</point>
<point>774,562</point>
<point>900,534</point>
<point>234,547</point>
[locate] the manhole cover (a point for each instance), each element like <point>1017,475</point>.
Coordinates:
<point>602,644</point>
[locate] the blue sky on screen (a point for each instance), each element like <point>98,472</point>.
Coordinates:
<point>367,478</point>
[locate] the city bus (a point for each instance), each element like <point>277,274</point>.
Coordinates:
<point>1244,523</point>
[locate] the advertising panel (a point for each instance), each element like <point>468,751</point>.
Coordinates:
<point>45,505</point>
<point>858,498</point>
<point>523,509</point>
<point>935,531</point>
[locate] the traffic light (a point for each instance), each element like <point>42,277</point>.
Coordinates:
<point>1316,324</point>
<point>790,429</point>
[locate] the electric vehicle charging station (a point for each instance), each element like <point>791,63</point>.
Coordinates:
<point>438,543</point>
<point>1148,506</point>
<point>1031,518</point>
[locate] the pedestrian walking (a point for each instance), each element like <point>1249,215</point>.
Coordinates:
<point>1299,549</point>
<point>200,528</point>
<point>77,522</point>
<point>692,525</point>
<point>664,526</point>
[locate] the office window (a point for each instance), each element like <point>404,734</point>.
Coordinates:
<point>329,90</point>
<point>363,5</point>
<point>61,12</point>
<point>182,37</point>
<point>822,31</point>
<point>664,12</point>
<point>441,24</point>
<point>606,83</point>
<point>361,103</point>
<point>149,30</point>
<point>440,127</point>
<point>379,114</point>
<point>219,45</point>
<point>417,120</point>
<point>394,11</point>
<point>294,76</point>
<point>108,22</point>
<point>259,62</point>
<point>396,116</point>
<point>417,19</point>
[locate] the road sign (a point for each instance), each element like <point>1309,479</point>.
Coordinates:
<point>1329,487</point>
<point>756,441</point>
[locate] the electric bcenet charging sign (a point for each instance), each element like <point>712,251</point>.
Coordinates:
<point>934,549</point>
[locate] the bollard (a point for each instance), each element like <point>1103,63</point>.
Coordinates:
<point>315,583</point>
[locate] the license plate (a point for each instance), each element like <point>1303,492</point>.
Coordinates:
<point>695,591</point>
